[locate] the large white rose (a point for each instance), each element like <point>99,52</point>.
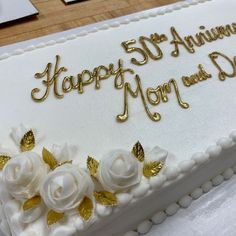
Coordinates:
<point>65,187</point>
<point>23,174</point>
<point>119,170</point>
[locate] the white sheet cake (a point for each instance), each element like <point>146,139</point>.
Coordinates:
<point>112,130</point>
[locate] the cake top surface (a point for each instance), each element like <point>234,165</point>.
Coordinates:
<point>165,78</point>
<point>86,116</point>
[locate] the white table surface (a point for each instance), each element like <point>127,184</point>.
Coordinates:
<point>214,214</point>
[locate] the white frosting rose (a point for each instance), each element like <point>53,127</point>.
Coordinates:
<point>119,170</point>
<point>65,187</point>
<point>157,154</point>
<point>17,133</point>
<point>64,152</point>
<point>23,174</point>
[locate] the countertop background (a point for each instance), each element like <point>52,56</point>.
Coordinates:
<point>54,16</point>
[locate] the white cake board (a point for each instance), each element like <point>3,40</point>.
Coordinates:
<point>213,214</point>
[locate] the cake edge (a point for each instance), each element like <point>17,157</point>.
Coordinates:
<point>213,153</point>
<point>216,155</point>
<point>145,226</point>
<point>198,159</point>
<point>106,26</point>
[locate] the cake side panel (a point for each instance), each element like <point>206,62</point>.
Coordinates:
<point>76,116</point>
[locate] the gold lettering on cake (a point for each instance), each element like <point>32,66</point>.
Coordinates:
<point>200,76</point>
<point>53,77</point>
<point>135,93</point>
<point>152,40</point>
<point>129,49</point>
<point>67,84</point>
<point>200,38</point>
<point>78,82</point>
<point>177,40</point>
<point>223,74</point>
<point>161,92</point>
<point>86,77</point>
<point>101,73</point>
<point>119,74</point>
<point>145,51</point>
<point>83,79</point>
<point>50,80</point>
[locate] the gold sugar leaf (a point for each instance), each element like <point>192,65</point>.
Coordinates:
<point>31,203</point>
<point>138,151</point>
<point>63,163</point>
<point>92,166</point>
<point>106,198</point>
<point>49,159</point>
<point>151,169</point>
<point>86,208</point>
<point>27,143</point>
<point>3,161</point>
<point>53,217</point>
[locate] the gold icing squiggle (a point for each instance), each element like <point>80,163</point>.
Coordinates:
<point>201,38</point>
<point>87,77</point>
<point>222,73</point>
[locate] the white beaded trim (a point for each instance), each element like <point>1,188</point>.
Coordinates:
<point>183,168</point>
<point>106,26</point>
<point>184,202</point>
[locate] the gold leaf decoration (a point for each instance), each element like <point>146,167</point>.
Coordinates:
<point>3,160</point>
<point>31,203</point>
<point>138,151</point>
<point>53,217</point>
<point>86,208</point>
<point>49,159</point>
<point>63,163</point>
<point>27,143</point>
<point>92,166</point>
<point>106,198</point>
<point>151,169</point>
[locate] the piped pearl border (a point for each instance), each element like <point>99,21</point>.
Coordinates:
<point>169,176</point>
<point>115,24</point>
<point>145,226</point>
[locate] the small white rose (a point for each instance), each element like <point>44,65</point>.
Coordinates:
<point>64,152</point>
<point>17,133</point>
<point>157,154</point>
<point>119,170</point>
<point>65,187</point>
<point>23,174</point>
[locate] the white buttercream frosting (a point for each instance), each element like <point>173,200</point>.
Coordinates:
<point>23,175</point>
<point>157,154</point>
<point>19,131</point>
<point>144,227</point>
<point>198,141</point>
<point>33,214</point>
<point>65,187</point>
<point>119,170</point>
<point>159,217</point>
<point>64,152</point>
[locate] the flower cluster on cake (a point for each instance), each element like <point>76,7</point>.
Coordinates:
<point>50,184</point>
